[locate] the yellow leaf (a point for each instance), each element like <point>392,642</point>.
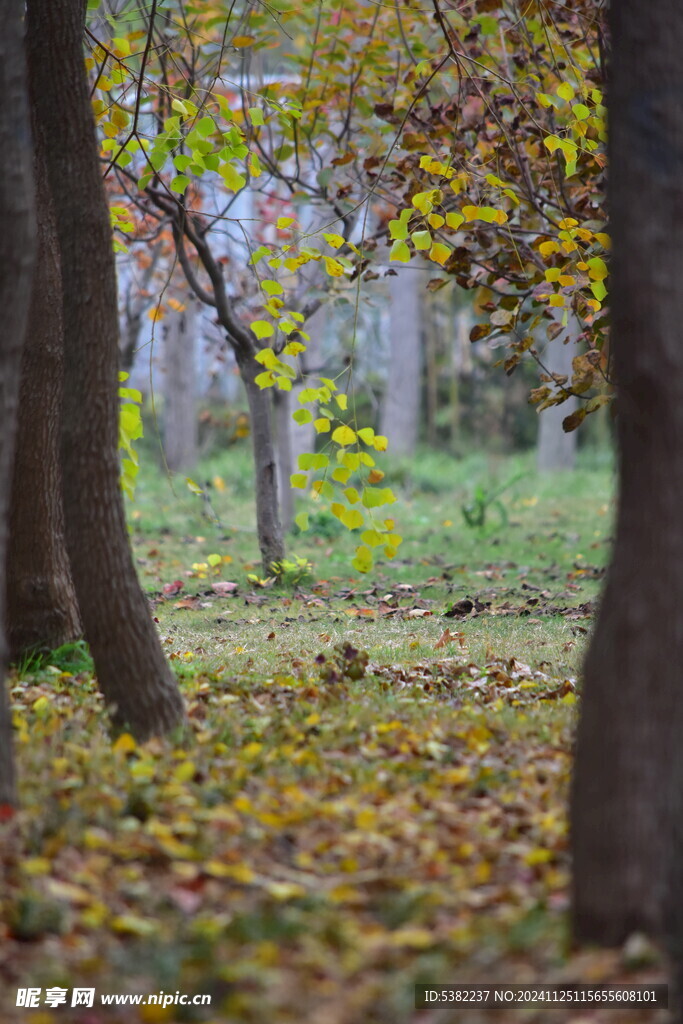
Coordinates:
<point>343,435</point>
<point>129,924</point>
<point>242,41</point>
<point>125,743</point>
<point>333,267</point>
<point>439,253</point>
<point>454,220</point>
<point>37,866</point>
<point>184,772</point>
<point>413,938</point>
<point>262,329</point>
<point>252,750</point>
<point>363,559</point>
<point>352,518</point>
<point>285,890</point>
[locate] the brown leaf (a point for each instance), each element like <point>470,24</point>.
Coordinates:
<point>223,588</point>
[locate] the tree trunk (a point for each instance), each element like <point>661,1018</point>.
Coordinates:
<point>137,684</point>
<point>180,388</point>
<point>293,439</point>
<point>401,407</point>
<point>17,252</point>
<point>631,720</point>
<point>556,448</point>
<point>282,424</point>
<point>42,611</point>
<point>268,525</point>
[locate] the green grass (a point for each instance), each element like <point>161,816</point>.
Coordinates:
<point>372,792</point>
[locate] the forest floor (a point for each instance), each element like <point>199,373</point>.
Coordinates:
<point>374,794</point>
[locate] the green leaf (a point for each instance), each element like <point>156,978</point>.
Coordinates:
<point>256,116</point>
<point>398,229</point>
<point>421,239</point>
<point>301,520</point>
<point>302,416</point>
<point>178,105</point>
<point>206,126</point>
<point>400,253</point>
<point>179,183</point>
<point>298,480</point>
<point>565,91</point>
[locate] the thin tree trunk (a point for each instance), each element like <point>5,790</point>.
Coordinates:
<point>460,357</point>
<point>268,524</point>
<point>430,334</point>
<point>180,389</point>
<point>401,405</point>
<point>17,253</point>
<point>631,721</point>
<point>137,684</point>
<point>282,424</point>
<point>556,449</point>
<point>293,439</point>
<point>42,610</point>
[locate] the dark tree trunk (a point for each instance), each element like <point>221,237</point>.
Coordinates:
<point>17,252</point>
<point>268,524</point>
<point>631,713</point>
<point>42,611</point>
<point>137,684</point>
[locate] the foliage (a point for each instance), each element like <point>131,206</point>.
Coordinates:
<point>373,794</point>
<point>505,181</point>
<point>475,511</point>
<point>130,430</point>
<point>293,571</point>
<point>487,139</point>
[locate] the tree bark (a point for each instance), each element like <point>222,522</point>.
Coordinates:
<point>180,388</point>
<point>268,525</point>
<point>556,448</point>
<point>401,407</point>
<point>293,439</point>
<point>284,456</point>
<point>42,610</point>
<point>17,253</point>
<point>139,689</point>
<point>631,720</point>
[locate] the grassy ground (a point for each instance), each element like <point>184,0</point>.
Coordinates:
<point>374,791</point>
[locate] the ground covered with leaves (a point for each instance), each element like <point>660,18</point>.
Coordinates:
<point>373,791</point>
